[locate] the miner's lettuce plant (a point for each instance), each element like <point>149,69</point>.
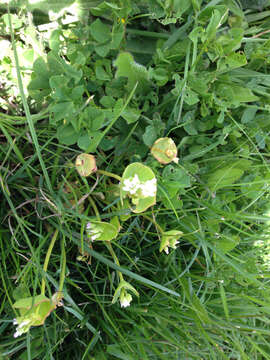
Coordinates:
<point>134,179</point>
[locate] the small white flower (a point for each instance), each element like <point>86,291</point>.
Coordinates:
<point>131,185</point>
<point>92,231</point>
<point>149,188</point>
<point>16,334</point>
<point>88,226</point>
<point>94,237</point>
<point>125,299</point>
<point>22,324</point>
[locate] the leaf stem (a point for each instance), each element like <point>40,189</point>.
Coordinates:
<point>47,258</point>
<point>115,258</point>
<point>107,173</point>
<point>158,227</point>
<point>63,266</point>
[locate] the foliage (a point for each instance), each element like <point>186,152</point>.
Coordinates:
<point>134,179</point>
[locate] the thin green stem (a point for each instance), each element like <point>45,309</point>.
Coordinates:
<point>159,228</point>
<point>47,258</point>
<point>107,173</point>
<point>115,258</point>
<point>108,244</point>
<point>94,206</point>
<point>63,266</point>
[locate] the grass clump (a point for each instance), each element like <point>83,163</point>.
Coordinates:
<point>134,180</point>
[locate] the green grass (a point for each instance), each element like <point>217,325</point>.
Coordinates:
<point>209,297</point>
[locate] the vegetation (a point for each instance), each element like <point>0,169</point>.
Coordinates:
<point>134,179</point>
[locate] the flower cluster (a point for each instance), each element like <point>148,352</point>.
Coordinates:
<point>125,298</point>
<point>123,293</point>
<point>171,244</point>
<point>22,327</point>
<point>148,188</point>
<point>93,231</point>
<point>24,323</point>
<point>169,240</point>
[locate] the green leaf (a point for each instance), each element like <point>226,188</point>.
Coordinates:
<point>35,308</point>
<point>103,231</point>
<point>54,41</point>
<point>190,97</point>
<point>95,138</point>
<point>235,94</point>
<point>212,27</point>
<point>67,135</point>
<point>84,141</point>
<point>144,175</point>
<point>107,101</point>
<point>160,75</point>
<point>103,49</point>
<point>27,303</point>
<point>232,61</point>
<point>59,66</point>
<point>127,67</point>
<point>248,115</point>
<point>100,32</point>
<point>150,135</point>
<point>227,243</point>
<point>131,114</point>
<point>118,32</point>
<point>61,111</point>
<point>224,177</point>
<point>94,118</point>
<point>103,70</point>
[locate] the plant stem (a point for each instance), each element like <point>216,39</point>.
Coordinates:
<point>94,206</point>
<point>107,173</point>
<point>46,262</point>
<point>159,228</point>
<point>63,267</point>
<point>115,258</point>
<point>108,244</point>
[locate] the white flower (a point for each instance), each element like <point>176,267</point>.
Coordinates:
<point>131,185</point>
<point>125,299</point>
<point>93,231</point>
<point>23,326</point>
<point>149,188</point>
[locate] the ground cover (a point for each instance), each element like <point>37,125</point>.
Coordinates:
<point>134,179</point>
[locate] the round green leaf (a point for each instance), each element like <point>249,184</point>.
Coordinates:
<point>139,183</point>
<point>101,231</point>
